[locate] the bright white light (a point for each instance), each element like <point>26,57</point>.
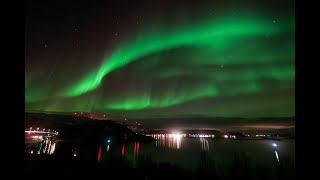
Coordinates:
<point>225,136</point>
<point>176,135</point>
<point>276,155</point>
<point>274,145</point>
<point>74,154</point>
<point>52,147</point>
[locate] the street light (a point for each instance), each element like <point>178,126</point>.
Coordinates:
<point>274,145</point>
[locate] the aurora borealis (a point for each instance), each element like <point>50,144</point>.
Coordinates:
<point>160,59</point>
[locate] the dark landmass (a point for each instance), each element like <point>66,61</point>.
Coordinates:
<point>63,122</point>
<point>83,129</point>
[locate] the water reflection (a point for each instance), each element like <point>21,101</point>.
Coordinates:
<point>122,150</point>
<point>42,147</point>
<point>99,153</point>
<point>109,152</point>
<point>277,155</point>
<point>136,149</point>
<point>204,144</point>
<point>264,152</point>
<point>172,141</point>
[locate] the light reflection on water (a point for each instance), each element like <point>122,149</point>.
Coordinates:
<point>179,150</point>
<point>204,144</point>
<point>185,151</point>
<point>174,141</point>
<point>168,140</point>
<point>43,147</point>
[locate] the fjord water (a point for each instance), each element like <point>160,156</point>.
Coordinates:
<point>186,152</point>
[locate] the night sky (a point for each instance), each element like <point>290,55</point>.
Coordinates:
<point>161,59</point>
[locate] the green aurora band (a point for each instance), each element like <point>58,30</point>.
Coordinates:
<point>239,50</point>
<point>217,36</point>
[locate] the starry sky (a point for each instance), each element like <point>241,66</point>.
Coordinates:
<point>161,59</point>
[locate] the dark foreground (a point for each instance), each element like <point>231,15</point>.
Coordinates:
<point>145,168</point>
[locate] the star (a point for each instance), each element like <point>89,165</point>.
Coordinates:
<point>45,45</point>
<point>274,21</point>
